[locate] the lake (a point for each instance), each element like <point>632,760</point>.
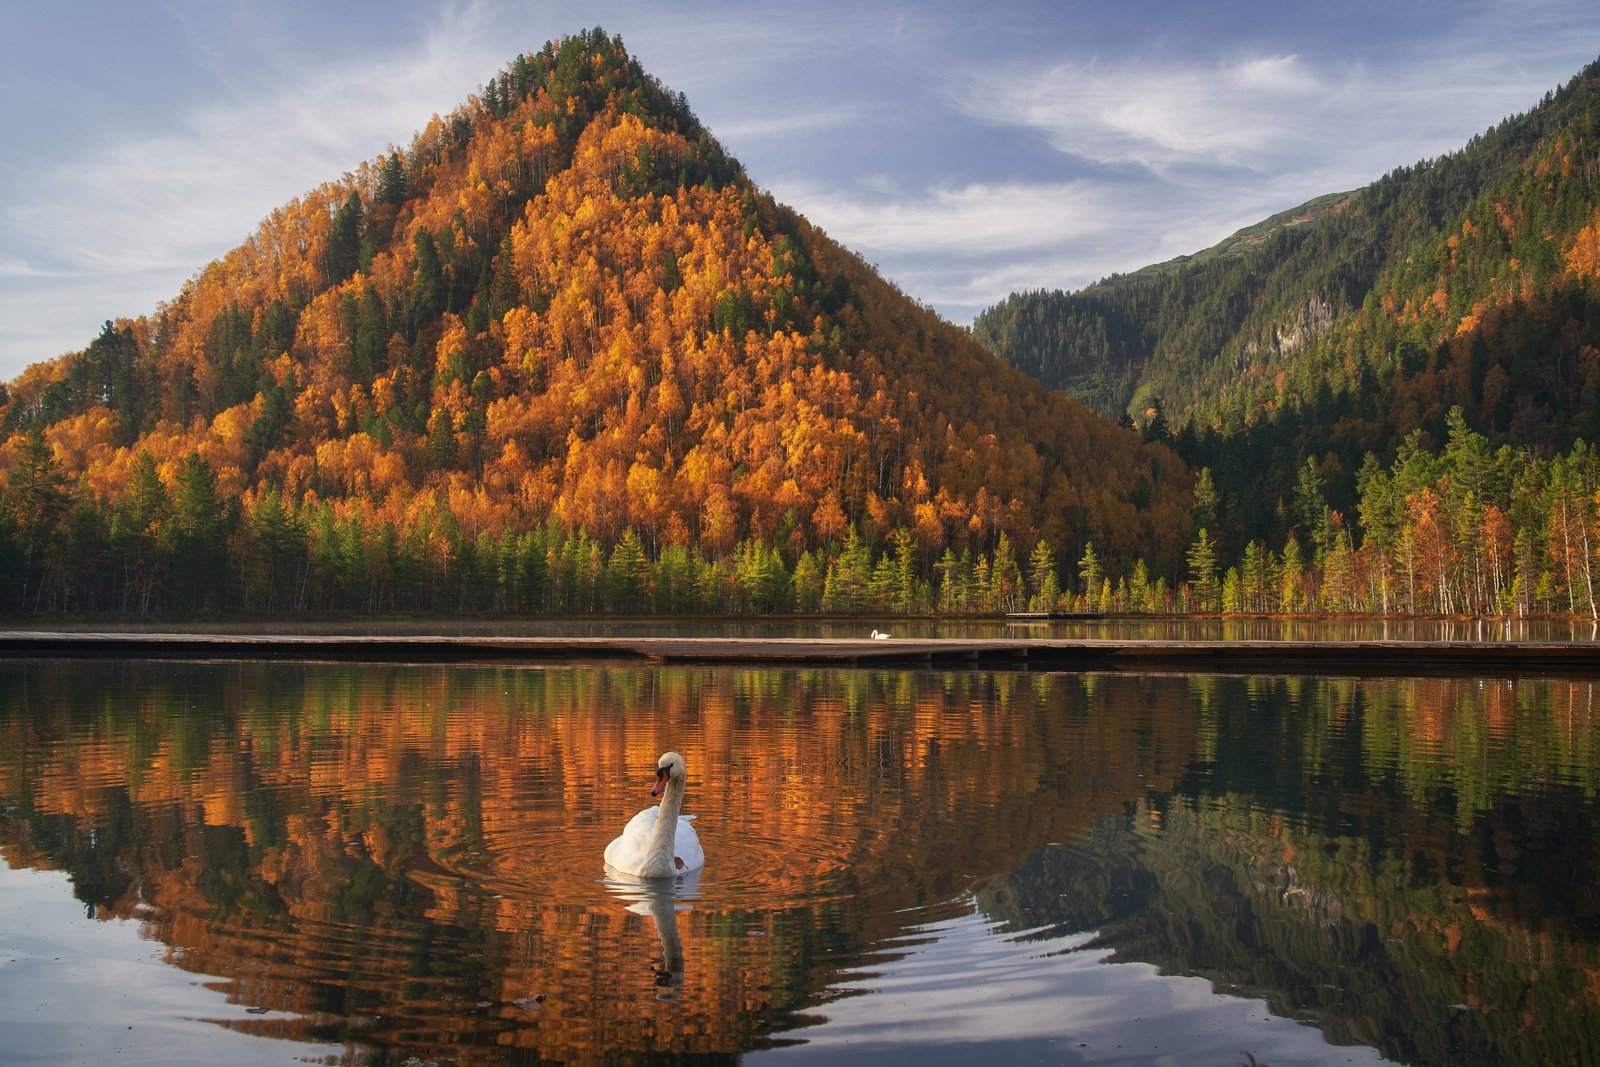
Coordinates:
<point>285,863</point>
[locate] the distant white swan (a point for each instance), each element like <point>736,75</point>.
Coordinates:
<point>659,842</point>
<point>878,635</point>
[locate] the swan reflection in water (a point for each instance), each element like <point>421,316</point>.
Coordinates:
<point>659,898</point>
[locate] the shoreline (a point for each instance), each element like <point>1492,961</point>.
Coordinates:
<point>1356,657</point>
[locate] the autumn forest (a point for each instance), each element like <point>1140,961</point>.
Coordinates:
<point>560,355</point>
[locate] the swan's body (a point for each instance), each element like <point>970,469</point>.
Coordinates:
<point>879,636</point>
<point>631,851</point>
<point>659,842</point>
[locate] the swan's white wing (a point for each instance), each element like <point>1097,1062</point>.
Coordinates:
<point>641,824</point>
<point>627,851</point>
<point>687,847</point>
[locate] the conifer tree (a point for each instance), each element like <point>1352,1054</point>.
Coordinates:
<point>1045,586</point>
<point>1202,559</point>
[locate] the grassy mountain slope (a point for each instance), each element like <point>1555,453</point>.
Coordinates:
<point>1340,328</point>
<point>564,304</point>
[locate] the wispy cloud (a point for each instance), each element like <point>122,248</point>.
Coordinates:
<point>1152,115</point>
<point>1265,114</point>
<point>774,123</point>
<point>972,219</point>
<point>158,207</point>
<point>963,248</point>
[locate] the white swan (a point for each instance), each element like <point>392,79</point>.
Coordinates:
<point>879,636</point>
<point>658,842</point>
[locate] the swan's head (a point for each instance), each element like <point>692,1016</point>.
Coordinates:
<point>669,768</point>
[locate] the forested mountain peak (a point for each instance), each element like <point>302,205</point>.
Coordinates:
<point>560,329</point>
<point>1468,280</point>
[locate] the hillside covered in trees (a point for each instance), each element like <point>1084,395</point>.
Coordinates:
<point>558,354</point>
<point>1338,329</point>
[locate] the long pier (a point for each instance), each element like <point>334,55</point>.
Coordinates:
<point>1375,657</point>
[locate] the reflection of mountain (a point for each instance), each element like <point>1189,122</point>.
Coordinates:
<point>1444,911</point>
<point>411,857</point>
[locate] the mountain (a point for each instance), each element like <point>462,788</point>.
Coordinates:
<point>1341,327</point>
<point>564,313</point>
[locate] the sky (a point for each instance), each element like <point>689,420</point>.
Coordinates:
<point>968,150</point>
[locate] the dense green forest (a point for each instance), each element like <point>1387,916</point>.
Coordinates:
<point>1337,329</point>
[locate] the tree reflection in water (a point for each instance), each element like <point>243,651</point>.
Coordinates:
<point>407,859</point>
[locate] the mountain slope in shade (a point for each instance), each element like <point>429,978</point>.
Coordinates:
<point>1344,325</point>
<point>565,303</point>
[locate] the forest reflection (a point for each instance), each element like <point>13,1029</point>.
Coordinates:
<point>408,858</point>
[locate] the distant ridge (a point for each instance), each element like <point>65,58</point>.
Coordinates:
<point>1348,323</point>
<point>1240,242</point>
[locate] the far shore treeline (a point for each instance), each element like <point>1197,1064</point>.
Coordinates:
<point>1470,530</point>
<point>561,356</point>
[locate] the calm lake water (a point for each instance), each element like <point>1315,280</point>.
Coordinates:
<point>280,863</point>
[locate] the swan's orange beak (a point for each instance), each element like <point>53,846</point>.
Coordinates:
<point>661,782</point>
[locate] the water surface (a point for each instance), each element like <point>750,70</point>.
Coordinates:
<point>380,864</point>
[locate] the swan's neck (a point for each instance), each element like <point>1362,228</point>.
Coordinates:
<point>660,852</point>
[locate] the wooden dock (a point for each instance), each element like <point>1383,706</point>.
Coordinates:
<point>1377,657</point>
